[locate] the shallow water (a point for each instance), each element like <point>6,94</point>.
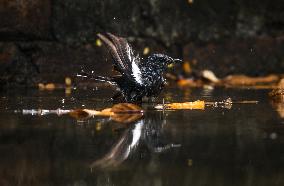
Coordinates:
<point>242,145</point>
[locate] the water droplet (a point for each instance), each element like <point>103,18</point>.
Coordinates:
<point>273,136</point>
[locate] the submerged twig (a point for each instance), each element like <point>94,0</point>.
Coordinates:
<point>122,112</point>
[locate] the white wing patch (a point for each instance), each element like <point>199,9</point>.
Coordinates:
<point>136,72</point>
<point>136,132</point>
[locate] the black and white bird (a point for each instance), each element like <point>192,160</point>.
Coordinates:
<point>138,78</point>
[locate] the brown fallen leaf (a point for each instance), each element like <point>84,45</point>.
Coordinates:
<point>186,105</point>
<point>122,112</point>
<point>278,106</point>
<point>126,113</point>
<point>41,86</point>
<point>189,83</point>
<point>236,80</point>
<point>126,108</point>
<point>79,114</point>
<point>126,118</point>
<point>277,93</point>
<point>277,98</point>
<point>48,86</point>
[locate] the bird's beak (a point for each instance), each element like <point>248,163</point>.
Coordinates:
<point>177,61</point>
<point>173,62</point>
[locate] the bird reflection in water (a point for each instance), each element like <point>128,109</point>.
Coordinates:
<point>147,131</point>
<point>142,130</point>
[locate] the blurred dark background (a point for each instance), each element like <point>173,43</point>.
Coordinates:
<point>48,40</point>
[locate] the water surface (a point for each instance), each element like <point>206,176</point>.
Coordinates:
<point>242,145</point>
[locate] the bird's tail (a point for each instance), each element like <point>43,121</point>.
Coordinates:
<point>97,78</point>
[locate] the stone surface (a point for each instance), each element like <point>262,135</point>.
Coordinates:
<point>18,67</point>
<point>255,57</point>
<point>168,22</point>
<point>25,19</point>
<point>59,37</point>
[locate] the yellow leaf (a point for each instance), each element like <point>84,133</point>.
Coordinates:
<point>186,105</point>
<point>50,86</point>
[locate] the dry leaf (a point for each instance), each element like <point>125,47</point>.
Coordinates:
<point>278,92</point>
<point>126,118</point>
<point>122,112</point>
<point>126,112</point>
<point>246,80</point>
<point>79,114</point>
<point>189,83</point>
<point>186,67</point>
<point>48,86</point>
<point>210,76</point>
<point>126,108</point>
<point>277,98</point>
<point>186,105</point>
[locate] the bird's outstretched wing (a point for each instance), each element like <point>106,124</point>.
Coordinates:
<point>125,61</point>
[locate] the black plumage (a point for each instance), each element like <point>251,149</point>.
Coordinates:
<point>139,78</point>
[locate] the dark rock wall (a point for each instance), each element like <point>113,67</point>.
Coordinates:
<point>53,39</point>
<point>25,20</point>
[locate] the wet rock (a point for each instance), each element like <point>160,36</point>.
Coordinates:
<point>168,22</point>
<point>58,61</point>
<point>225,36</point>
<point>25,19</point>
<point>216,31</point>
<point>254,57</point>
<point>17,65</point>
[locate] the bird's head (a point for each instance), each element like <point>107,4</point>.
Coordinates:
<point>161,61</point>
